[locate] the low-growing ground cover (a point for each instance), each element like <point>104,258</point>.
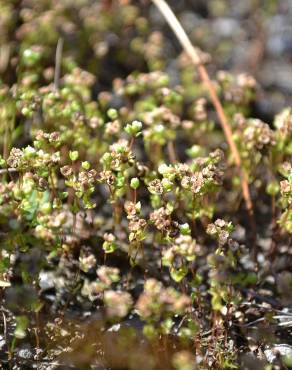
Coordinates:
<point>127,237</point>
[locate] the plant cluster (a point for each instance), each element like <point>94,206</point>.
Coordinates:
<point>132,189</point>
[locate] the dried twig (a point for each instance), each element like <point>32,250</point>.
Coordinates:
<point>58,62</point>
<point>195,58</point>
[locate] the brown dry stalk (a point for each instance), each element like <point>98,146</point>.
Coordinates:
<point>195,58</point>
<point>58,62</point>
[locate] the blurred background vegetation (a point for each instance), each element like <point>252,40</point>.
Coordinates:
<point>111,38</point>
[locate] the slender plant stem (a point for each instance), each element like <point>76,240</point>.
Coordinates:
<point>131,143</point>
<point>135,196</point>
<point>4,326</point>
<point>171,151</point>
<point>195,58</point>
